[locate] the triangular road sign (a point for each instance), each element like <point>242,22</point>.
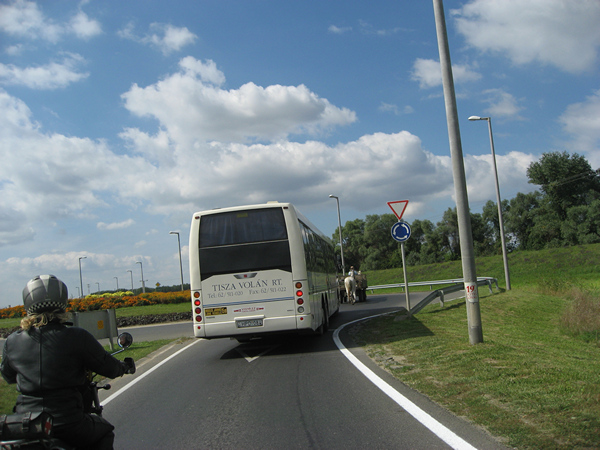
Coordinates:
<point>398,207</point>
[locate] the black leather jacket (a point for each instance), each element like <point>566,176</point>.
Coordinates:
<point>49,366</point>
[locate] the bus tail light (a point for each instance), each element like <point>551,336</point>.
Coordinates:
<point>198,318</point>
<point>299,298</point>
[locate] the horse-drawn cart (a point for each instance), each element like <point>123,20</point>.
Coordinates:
<point>361,288</point>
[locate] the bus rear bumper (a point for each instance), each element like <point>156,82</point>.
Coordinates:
<point>270,325</point>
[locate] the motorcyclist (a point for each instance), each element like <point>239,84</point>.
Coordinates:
<point>49,360</point>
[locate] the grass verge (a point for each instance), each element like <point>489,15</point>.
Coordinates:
<point>528,383</point>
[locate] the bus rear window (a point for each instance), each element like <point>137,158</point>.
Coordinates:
<point>242,227</point>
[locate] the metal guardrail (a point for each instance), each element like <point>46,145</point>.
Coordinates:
<point>430,283</point>
<point>457,285</point>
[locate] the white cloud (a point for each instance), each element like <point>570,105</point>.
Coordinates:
<point>429,74</point>
<point>46,177</point>
<point>198,157</point>
<point>338,30</point>
<point>387,107</point>
<point>512,176</point>
<point>562,33</point>
<point>25,19</point>
<point>207,72</point>
<point>54,75</point>
<point>191,107</point>
<point>367,28</point>
<point>167,38</point>
<point>582,121</point>
<point>115,225</point>
<point>502,104</point>
<point>84,27</point>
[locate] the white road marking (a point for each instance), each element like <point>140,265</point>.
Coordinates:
<point>145,374</point>
<point>441,431</point>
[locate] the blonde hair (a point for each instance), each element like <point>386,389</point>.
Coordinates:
<point>44,318</point>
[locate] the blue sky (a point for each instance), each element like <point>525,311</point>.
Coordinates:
<point>119,119</point>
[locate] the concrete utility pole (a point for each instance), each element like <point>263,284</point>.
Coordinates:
<point>460,183</point>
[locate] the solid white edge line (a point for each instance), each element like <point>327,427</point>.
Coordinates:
<point>441,431</point>
<point>141,377</point>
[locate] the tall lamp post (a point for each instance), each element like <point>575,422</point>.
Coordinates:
<point>116,278</point>
<point>340,230</point>
<point>131,273</point>
<point>142,271</point>
<point>80,278</point>
<point>500,219</point>
<point>179,246</point>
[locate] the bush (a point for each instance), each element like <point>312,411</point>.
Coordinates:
<point>12,313</point>
<point>581,317</point>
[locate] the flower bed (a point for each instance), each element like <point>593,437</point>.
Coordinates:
<point>109,301</point>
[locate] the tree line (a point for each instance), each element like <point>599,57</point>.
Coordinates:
<point>564,211</point>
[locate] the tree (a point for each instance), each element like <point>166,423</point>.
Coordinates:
<point>448,236</point>
<point>567,180</point>
<point>520,219</point>
<point>353,236</point>
<point>492,227</point>
<point>418,243</point>
<point>582,225</point>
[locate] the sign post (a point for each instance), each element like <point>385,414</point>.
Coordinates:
<point>401,233</point>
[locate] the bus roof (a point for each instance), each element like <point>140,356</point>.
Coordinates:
<point>271,204</point>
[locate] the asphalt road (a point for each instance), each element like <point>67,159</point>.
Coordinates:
<point>287,393</point>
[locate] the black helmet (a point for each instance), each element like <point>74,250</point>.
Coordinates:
<point>45,293</point>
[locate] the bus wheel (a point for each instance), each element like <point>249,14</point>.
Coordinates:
<point>325,323</point>
<point>325,317</point>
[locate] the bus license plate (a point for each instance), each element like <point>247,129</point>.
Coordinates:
<point>249,323</point>
<point>215,311</point>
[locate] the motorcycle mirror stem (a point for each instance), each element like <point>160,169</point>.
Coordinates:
<point>124,340</point>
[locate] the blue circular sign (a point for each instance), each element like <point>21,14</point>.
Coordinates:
<point>401,231</point>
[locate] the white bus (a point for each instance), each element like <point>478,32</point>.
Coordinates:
<point>260,269</point>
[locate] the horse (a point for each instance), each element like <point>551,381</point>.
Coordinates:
<point>350,284</point>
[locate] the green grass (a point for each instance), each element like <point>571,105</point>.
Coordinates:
<point>153,309</point>
<point>568,265</point>
<point>535,380</point>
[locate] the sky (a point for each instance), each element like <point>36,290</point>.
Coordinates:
<point>119,120</point>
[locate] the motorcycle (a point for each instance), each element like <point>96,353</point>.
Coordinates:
<point>33,431</point>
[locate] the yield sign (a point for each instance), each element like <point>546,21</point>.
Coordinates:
<point>398,207</point>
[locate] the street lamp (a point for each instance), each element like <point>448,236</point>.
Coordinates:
<point>80,278</point>
<point>142,271</point>
<point>500,219</point>
<point>117,282</point>
<point>98,284</point>
<point>131,273</point>
<point>340,230</point>
<point>179,246</point>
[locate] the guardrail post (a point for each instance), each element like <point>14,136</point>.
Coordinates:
<point>442,298</point>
